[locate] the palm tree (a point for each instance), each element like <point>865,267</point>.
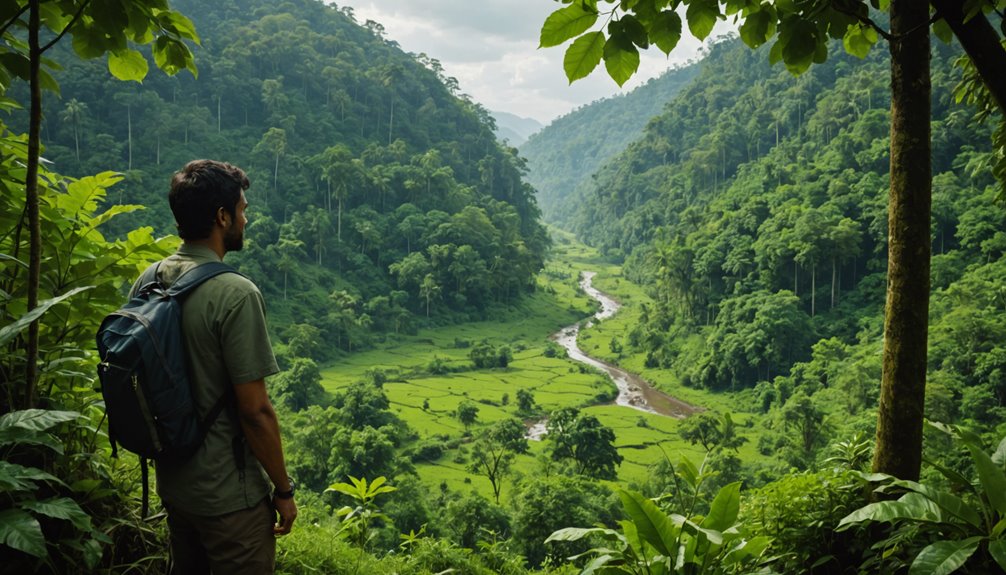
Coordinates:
<point>73,113</point>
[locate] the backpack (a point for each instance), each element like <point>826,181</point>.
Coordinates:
<point>143,372</point>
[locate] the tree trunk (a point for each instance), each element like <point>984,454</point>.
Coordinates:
<point>129,135</point>
<point>813,288</point>
<point>902,392</point>
<point>833,277</point>
<point>219,97</point>
<point>31,204</point>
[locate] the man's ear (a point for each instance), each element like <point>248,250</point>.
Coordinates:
<point>222,216</point>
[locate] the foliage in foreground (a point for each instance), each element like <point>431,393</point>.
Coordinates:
<point>962,522</point>
<point>652,541</point>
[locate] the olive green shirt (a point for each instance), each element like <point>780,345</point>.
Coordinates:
<point>226,343</point>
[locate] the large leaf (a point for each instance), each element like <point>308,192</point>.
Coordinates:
<point>999,457</point>
<point>577,533</point>
<point>665,30</point>
<point>621,59</point>
<point>992,478</point>
<point>653,525</point>
<point>757,28</point>
<point>944,557</point>
<point>566,23</point>
<point>61,508</point>
<point>997,549</point>
<point>128,65</point>
<point>21,436</point>
<point>858,40</point>
<point>946,501</point>
<point>19,530</point>
<point>10,331</point>
<point>14,477</point>
<point>910,506</point>
<point>702,16</point>
<point>724,509</point>
<point>583,56</point>
<point>36,419</point>
<point>598,565</point>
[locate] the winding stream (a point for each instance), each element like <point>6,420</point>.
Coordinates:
<point>633,391</point>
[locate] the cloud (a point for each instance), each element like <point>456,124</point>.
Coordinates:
<point>491,47</point>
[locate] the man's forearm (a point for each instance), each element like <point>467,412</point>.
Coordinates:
<point>261,429</point>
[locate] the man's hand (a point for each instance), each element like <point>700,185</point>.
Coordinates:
<point>287,511</point>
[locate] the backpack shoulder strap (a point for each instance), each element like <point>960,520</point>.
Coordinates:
<point>197,275</point>
<point>148,276</point>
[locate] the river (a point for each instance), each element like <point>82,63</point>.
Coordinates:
<point>633,390</point>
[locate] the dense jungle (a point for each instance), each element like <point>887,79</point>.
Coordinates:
<point>692,328</point>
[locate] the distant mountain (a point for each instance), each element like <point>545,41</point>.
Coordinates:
<point>573,147</point>
<point>515,129</point>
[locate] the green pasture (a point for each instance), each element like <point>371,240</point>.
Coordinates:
<point>642,438</point>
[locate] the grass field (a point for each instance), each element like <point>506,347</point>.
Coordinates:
<point>642,438</point>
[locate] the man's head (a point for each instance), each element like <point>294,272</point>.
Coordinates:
<point>205,194</point>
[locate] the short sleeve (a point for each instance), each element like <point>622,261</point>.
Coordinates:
<point>245,341</point>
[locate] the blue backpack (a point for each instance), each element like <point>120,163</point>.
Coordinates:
<point>144,376</point>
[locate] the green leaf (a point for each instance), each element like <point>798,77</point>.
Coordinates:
<point>702,16</point>
<point>910,506</point>
<point>943,557</point>
<point>21,531</point>
<point>172,56</point>
<point>61,508</point>
<point>179,24</point>
<point>566,23</point>
<point>10,331</point>
<point>997,549</point>
<point>575,533</point>
<point>14,477</point>
<point>942,31</point>
<point>16,63</point>
<point>634,31</point>
<point>859,39</point>
<point>758,27</point>
<point>88,43</point>
<point>19,436</point>
<point>999,457</point>
<point>621,59</point>
<point>688,472</point>
<point>946,501</point>
<point>109,14</point>
<point>653,525</point>
<point>583,56</point>
<point>724,509</point>
<point>127,65</point>
<point>36,419</point>
<point>992,478</point>
<point>665,30</point>
<point>799,39</point>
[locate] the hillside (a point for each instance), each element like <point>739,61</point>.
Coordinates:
<point>754,209</point>
<point>515,129</point>
<point>372,177</point>
<point>562,156</point>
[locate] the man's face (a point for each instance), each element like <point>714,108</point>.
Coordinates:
<point>235,234</point>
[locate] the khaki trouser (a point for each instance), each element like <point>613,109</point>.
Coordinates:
<point>238,543</point>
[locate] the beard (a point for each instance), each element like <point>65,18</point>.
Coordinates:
<point>233,240</point>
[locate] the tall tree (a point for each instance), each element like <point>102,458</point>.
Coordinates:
<point>72,114</point>
<point>97,29</point>
<point>802,31</point>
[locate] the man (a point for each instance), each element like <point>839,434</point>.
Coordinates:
<point>222,503</point>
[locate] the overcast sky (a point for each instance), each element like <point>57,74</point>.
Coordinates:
<point>491,47</point>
